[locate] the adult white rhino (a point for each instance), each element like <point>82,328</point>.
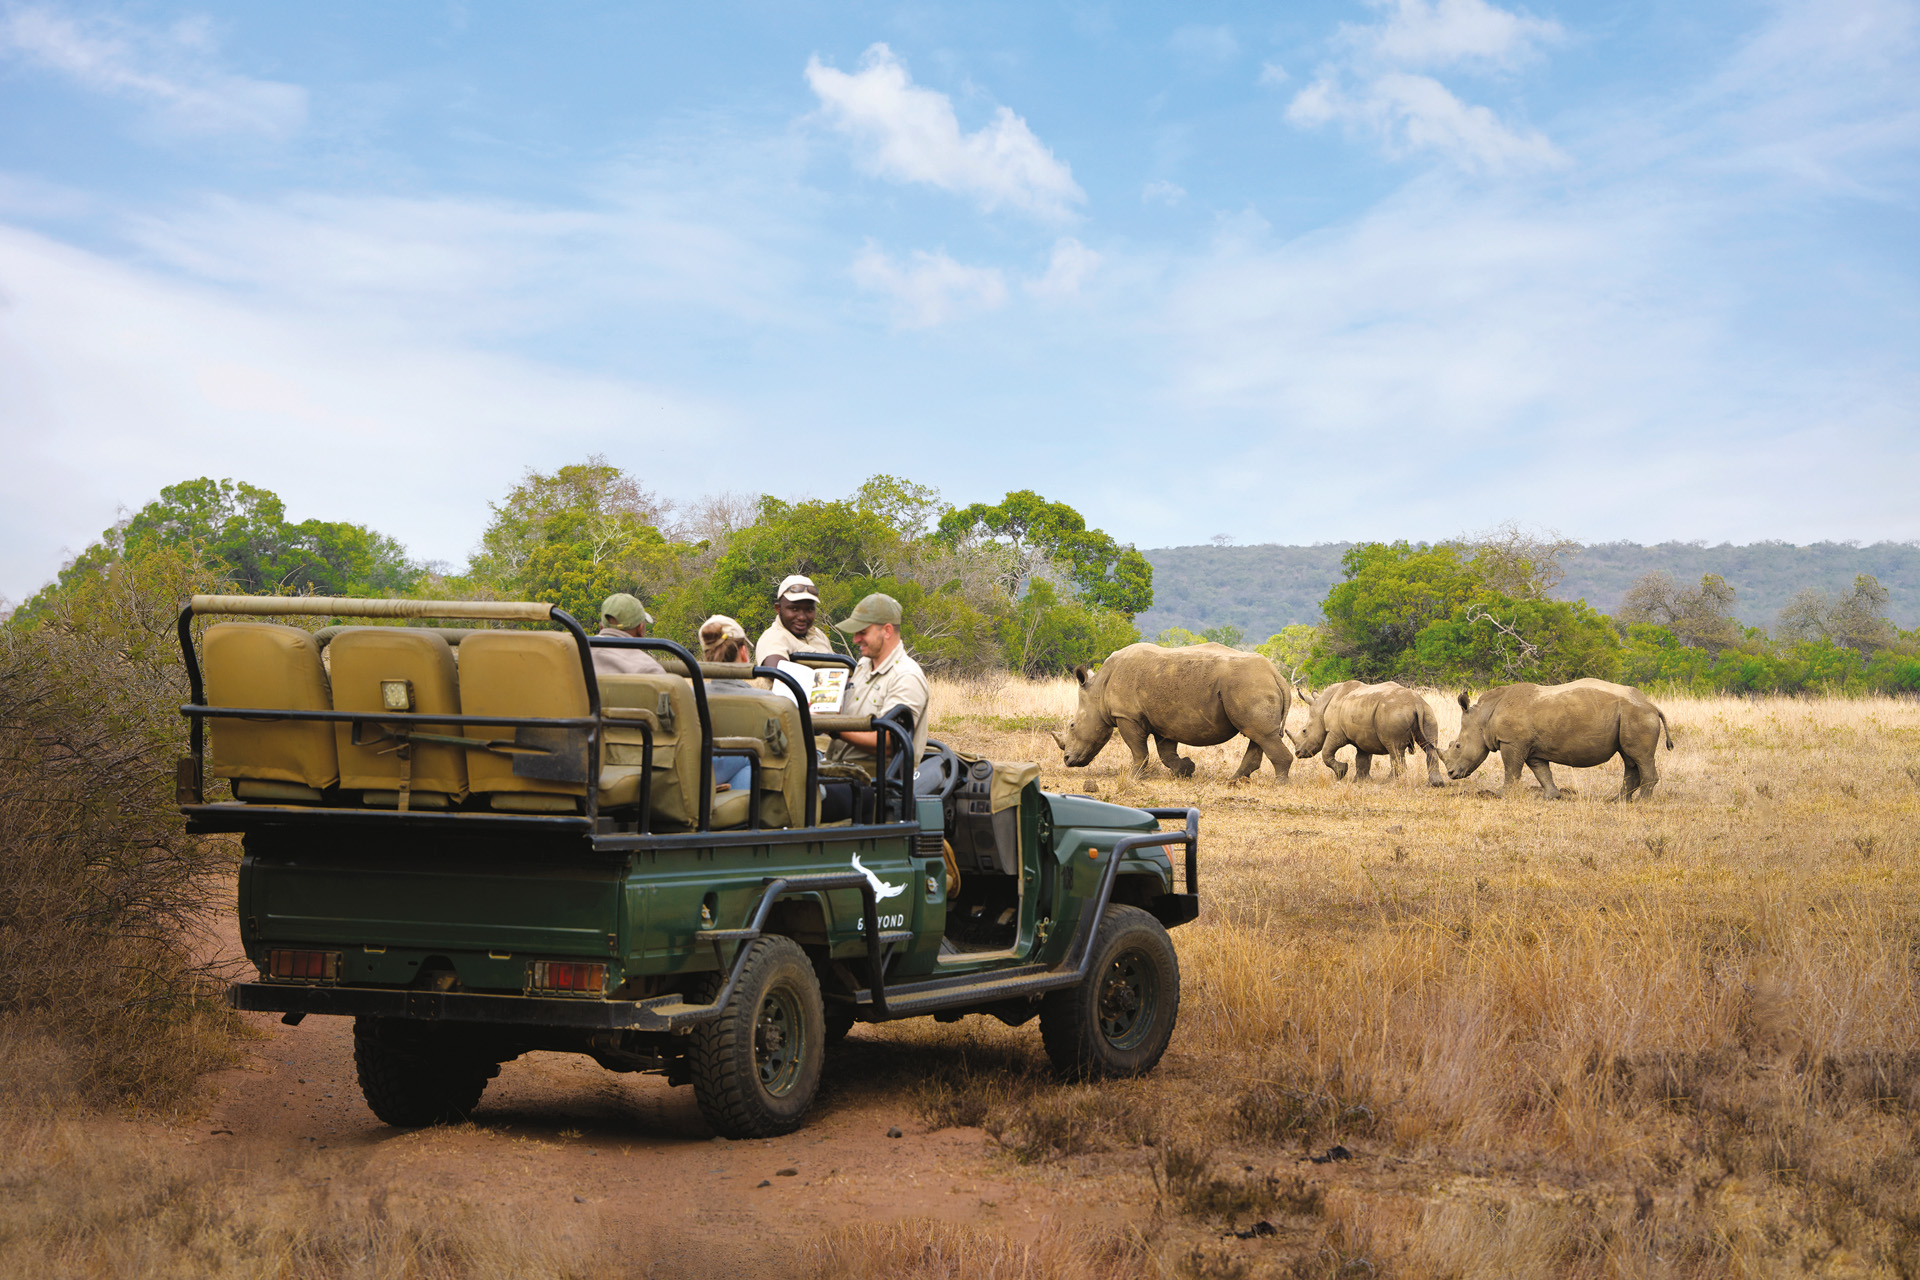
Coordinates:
<point>1582,724</point>
<point>1376,720</point>
<point>1198,694</point>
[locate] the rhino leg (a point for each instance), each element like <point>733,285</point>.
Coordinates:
<point>1544,771</point>
<point>1362,765</point>
<point>1642,775</point>
<point>1395,765</point>
<point>1436,776</point>
<point>1629,779</point>
<point>1513,758</point>
<point>1249,764</point>
<point>1272,745</point>
<point>1134,734</point>
<point>1178,765</point>
<point>1332,761</point>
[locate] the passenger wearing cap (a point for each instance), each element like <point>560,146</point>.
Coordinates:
<point>795,605</point>
<point>886,677</point>
<point>622,615</point>
<point>724,640</point>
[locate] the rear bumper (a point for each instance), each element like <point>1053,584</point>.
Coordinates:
<point>455,1006</point>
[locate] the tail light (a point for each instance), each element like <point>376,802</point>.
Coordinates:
<point>304,966</point>
<point>567,975</point>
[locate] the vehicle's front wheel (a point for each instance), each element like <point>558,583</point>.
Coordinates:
<point>411,1076</point>
<point>1118,1022</point>
<point>757,1066</point>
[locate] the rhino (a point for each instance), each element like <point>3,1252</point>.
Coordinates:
<point>1198,694</point>
<point>1376,720</point>
<point>1582,724</point>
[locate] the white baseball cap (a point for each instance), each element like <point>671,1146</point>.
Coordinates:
<point>796,586</point>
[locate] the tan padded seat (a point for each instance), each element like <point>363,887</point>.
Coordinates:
<point>520,673</point>
<point>364,658</point>
<point>258,664</point>
<point>774,724</point>
<point>665,703</point>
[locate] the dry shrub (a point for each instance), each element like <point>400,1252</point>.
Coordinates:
<point>74,1203</point>
<point>927,1249</point>
<point>102,894</point>
<point>1025,1111</point>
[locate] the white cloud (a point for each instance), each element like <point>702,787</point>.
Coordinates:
<point>1272,75</point>
<point>1436,33</point>
<point>1205,45</point>
<point>1160,191</point>
<point>930,288</point>
<point>1374,88</point>
<point>1418,113</point>
<point>1067,269</point>
<point>169,71</point>
<point>910,134</point>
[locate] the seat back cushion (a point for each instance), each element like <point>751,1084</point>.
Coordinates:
<point>665,702</point>
<point>362,660</point>
<point>774,722</point>
<point>519,673</point>
<point>257,664</point>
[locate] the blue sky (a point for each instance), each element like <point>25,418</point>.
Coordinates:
<point>1292,273</point>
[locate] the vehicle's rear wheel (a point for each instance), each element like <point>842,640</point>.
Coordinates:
<point>413,1074</point>
<point>757,1066</point>
<point>1116,1023</point>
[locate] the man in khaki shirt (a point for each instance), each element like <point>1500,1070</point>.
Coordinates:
<point>887,677</point>
<point>793,631</point>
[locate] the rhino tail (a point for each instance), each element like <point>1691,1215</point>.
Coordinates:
<point>1426,729</point>
<point>1665,726</point>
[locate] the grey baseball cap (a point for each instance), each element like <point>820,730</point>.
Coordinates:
<point>872,611</point>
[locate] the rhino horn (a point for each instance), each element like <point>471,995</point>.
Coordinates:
<point>1060,741</point>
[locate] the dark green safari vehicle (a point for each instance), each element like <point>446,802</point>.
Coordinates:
<point>476,847</point>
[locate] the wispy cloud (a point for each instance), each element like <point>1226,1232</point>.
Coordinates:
<point>1205,46</point>
<point>1376,87</point>
<point>172,71</point>
<point>928,288</point>
<point>1160,191</point>
<point>910,134</point>
<point>1069,266</point>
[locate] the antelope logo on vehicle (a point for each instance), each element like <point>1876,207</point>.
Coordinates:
<point>881,889</point>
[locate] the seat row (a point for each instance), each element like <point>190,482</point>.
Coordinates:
<point>513,674</point>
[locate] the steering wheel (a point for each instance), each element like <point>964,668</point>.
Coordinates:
<point>940,773</point>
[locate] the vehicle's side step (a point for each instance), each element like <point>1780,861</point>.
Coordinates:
<point>909,999</point>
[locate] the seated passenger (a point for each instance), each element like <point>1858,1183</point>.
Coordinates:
<point>622,615</point>
<point>886,677</point>
<point>724,640</point>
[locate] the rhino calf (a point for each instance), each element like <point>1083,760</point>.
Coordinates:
<point>1582,724</point>
<point>1375,720</point>
<point>1200,694</point>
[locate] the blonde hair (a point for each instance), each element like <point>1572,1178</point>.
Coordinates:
<point>721,639</point>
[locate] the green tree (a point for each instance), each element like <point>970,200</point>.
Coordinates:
<point>1390,594</point>
<point>1496,639</point>
<point>1290,649</point>
<point>1046,634</point>
<point>1037,539</point>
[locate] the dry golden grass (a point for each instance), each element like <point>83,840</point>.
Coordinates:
<point>79,1201</point>
<point>1672,1038</point>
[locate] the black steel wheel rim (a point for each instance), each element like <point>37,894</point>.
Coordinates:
<point>1129,998</point>
<point>779,1041</point>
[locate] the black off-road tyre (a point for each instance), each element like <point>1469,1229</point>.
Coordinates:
<point>757,1066</point>
<point>1118,1022</point>
<point>411,1076</point>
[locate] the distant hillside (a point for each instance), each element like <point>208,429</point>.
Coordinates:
<point>1261,589</point>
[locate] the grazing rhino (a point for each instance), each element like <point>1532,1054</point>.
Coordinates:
<point>1376,720</point>
<point>1198,694</point>
<point>1583,724</point>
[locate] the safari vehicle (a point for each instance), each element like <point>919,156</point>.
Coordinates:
<point>474,847</point>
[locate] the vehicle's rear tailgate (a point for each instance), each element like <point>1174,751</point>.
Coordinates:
<point>437,896</point>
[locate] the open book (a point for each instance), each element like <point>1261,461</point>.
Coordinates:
<point>826,686</point>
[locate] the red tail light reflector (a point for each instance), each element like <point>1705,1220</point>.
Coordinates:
<point>568,975</point>
<point>311,966</point>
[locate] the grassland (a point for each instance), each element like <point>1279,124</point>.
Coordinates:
<point>1425,1032</point>
<point>1673,1038</point>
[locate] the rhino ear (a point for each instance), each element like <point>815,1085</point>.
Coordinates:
<point>1465,701</point>
<point>1083,673</point>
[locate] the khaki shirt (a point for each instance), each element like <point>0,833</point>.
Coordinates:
<point>895,682</point>
<point>624,662</point>
<point>777,642</point>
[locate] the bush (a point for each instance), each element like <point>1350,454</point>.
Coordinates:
<point>103,895</point>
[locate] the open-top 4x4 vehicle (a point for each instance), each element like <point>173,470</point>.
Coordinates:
<point>475,847</point>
